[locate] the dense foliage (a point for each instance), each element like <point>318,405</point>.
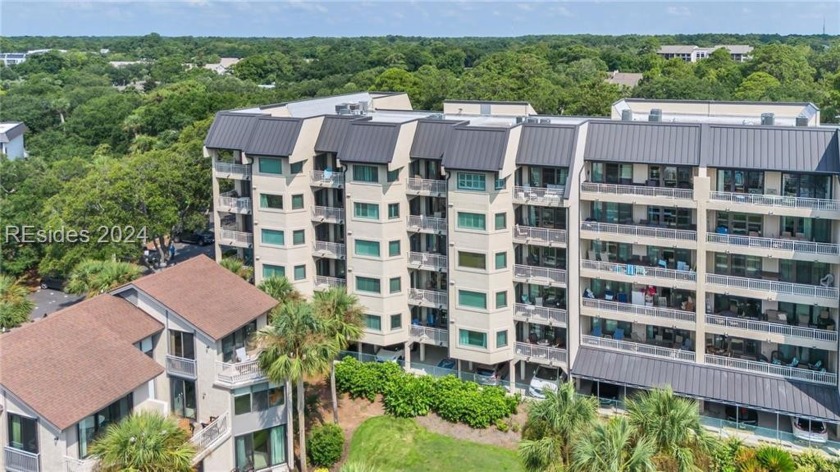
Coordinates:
<point>326,444</point>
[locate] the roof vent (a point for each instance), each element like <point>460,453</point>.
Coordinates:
<point>342,109</point>
<point>520,119</point>
<point>768,119</point>
<point>363,107</point>
<point>545,121</point>
<point>627,115</point>
<point>655,114</point>
<point>801,120</point>
<point>532,119</point>
<point>436,116</point>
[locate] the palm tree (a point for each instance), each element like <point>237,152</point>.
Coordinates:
<point>295,345</point>
<point>144,442</point>
<point>91,277</point>
<point>610,447</point>
<point>238,267</point>
<point>673,425</point>
<point>343,315</point>
<point>15,305</point>
<point>562,416</point>
<point>280,289</point>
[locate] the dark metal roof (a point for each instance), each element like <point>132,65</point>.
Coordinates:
<point>547,145</point>
<point>273,136</point>
<point>371,142</point>
<point>649,143</point>
<point>13,132</point>
<point>476,148</point>
<point>230,130</point>
<point>333,130</point>
<point>773,148</point>
<point>705,382</point>
<point>430,138</point>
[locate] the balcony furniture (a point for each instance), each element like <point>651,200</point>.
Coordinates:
<point>596,331</point>
<point>804,319</point>
<point>770,276</point>
<point>618,334</point>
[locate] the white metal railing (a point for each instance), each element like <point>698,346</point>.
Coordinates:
<point>332,178</point>
<point>521,271</point>
<point>236,236</point>
<point>426,186</point>
<point>639,310</point>
<point>787,372</point>
<point>429,260</point>
<point>639,190</point>
<point>536,351</point>
<point>21,461</point>
<point>180,366</point>
<point>639,348</point>
<point>777,201</point>
<point>72,464</point>
<point>825,249</point>
<point>539,195</point>
<point>531,234</point>
<point>206,438</point>
<point>640,271</point>
<point>323,213</point>
<point>428,334</point>
<point>418,296</point>
<point>326,281</point>
<point>232,374</point>
<point>774,328</point>
<point>337,249</point>
<point>761,285</point>
<point>231,168</point>
<point>540,314</point>
<point>427,223</point>
<point>228,201</point>
<point>641,231</point>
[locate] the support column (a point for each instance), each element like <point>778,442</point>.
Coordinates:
<point>422,352</point>
<point>522,369</point>
<point>512,370</point>
<point>702,192</point>
<point>407,355</point>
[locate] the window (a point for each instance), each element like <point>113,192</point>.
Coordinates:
<point>472,260</point>
<point>273,236</point>
<point>471,221</point>
<point>299,237</point>
<point>183,397</point>
<point>296,168</point>
<point>501,260</point>
<point>145,346</point>
<point>393,248</point>
<point>300,272</point>
<point>472,338</point>
<point>91,427</point>
<point>270,270</point>
<point>271,166</point>
<point>740,224</point>
<point>472,299</point>
<point>393,175</point>
<point>740,181</point>
<point>396,322</point>
<point>501,221</point>
<point>367,248</point>
<point>274,202</point>
<point>23,433</point>
<point>395,284</point>
<point>367,284</point>
<point>738,265</point>
<point>501,299</point>
<point>297,202</point>
<point>181,344</point>
<point>500,184</point>
<point>608,212</point>
<point>470,181</point>
<point>501,339</point>
<point>258,397</point>
<point>368,211</point>
<point>368,174</point>
<point>261,449</point>
<point>806,185</point>
<point>236,341</point>
<point>373,322</point>
<point>393,211</point>
<point>612,173</point>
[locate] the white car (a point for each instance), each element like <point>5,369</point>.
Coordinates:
<point>390,354</point>
<point>812,431</point>
<point>545,378</point>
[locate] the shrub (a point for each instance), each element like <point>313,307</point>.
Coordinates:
<point>502,425</point>
<point>466,402</point>
<point>723,455</point>
<point>325,445</point>
<point>814,461</point>
<point>365,379</point>
<point>775,459</point>
<point>410,397</point>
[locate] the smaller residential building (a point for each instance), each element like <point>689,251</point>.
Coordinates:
<point>624,79</point>
<point>12,58</point>
<point>223,66</point>
<point>691,53</point>
<point>11,140</point>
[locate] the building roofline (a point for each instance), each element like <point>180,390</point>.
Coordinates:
<point>723,102</point>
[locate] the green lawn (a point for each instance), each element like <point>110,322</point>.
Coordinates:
<point>401,445</point>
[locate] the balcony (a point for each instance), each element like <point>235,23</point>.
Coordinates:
<point>428,187</point>
<point>684,279</point>
<point>324,282</point>
<point>743,327</point>
<point>330,250</point>
<point>427,224</point>
<point>638,194</point>
<point>540,314</point>
<point>229,170</point>
<point>774,290</point>
<point>427,261</point>
<point>231,203</point>
<point>327,179</point>
<point>539,275</point>
<point>649,315</point>
<point>638,234</point>
<point>430,335</point>
<point>210,437</point>
<point>323,214</point>
<point>541,196</point>
<point>229,237</point>
<point>793,373</point>
<point>21,461</point>
<point>428,298</point>
<point>180,366</point>
<point>775,204</point>
<point>541,354</point>
<point>778,247</point>
<point>535,236</point>
<point>637,348</point>
<point>232,375</point>
<point>71,464</point>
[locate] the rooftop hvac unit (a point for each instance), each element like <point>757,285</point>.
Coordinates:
<point>436,116</point>
<point>364,107</point>
<point>768,119</point>
<point>627,115</point>
<point>545,121</point>
<point>655,114</point>
<point>520,119</point>
<point>342,109</point>
<point>801,121</point>
<point>532,120</point>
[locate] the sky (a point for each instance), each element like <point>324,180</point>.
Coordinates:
<point>304,18</point>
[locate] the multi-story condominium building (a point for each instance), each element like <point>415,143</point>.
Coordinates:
<point>173,342</point>
<point>690,53</point>
<point>677,238</point>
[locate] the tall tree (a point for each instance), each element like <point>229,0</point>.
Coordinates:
<point>611,447</point>
<point>91,277</point>
<point>280,289</point>
<point>15,305</point>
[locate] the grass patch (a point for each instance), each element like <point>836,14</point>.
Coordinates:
<point>401,445</point>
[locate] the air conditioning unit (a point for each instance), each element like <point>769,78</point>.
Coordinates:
<point>436,116</point>
<point>545,121</point>
<point>655,114</point>
<point>768,119</point>
<point>342,109</point>
<point>531,119</point>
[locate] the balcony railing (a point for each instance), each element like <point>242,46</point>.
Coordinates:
<point>72,464</point>
<point>206,439</point>
<point>180,366</point>
<point>538,195</point>
<point>806,247</point>
<point>229,202</point>
<point>773,328</point>
<point>322,178</point>
<point>428,261</point>
<point>640,271</point>
<point>640,231</point>
<point>229,169</point>
<point>521,271</point>
<point>21,461</point>
<point>420,186</point>
<point>638,348</point>
<point>638,190</point>
<point>427,223</point>
<point>233,374</point>
<point>232,237</point>
<point>540,314</point>
<point>336,250</point>
<point>761,285</point>
<point>538,353</point>
<point>639,310</point>
<point>323,282</point>
<point>535,235</point>
<point>436,298</point>
<point>430,335</point>
<point>787,372</point>
<point>777,201</point>
<point>328,214</point>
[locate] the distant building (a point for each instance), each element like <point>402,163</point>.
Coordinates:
<point>11,140</point>
<point>691,53</point>
<point>624,79</point>
<point>12,58</point>
<point>104,51</point>
<point>223,66</point>
<point>120,64</point>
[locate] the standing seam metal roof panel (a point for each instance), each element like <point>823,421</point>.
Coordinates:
<point>430,138</point>
<point>274,136</point>
<point>230,130</point>
<point>372,142</point>
<point>332,133</point>
<point>643,143</point>
<point>546,145</point>
<point>773,148</point>
<point>476,148</point>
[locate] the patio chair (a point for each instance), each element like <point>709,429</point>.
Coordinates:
<point>327,175</point>
<point>596,331</point>
<point>618,334</point>
<point>794,362</point>
<point>241,355</point>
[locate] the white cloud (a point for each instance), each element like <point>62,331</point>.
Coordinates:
<point>678,10</point>
<point>525,6</point>
<point>307,6</point>
<point>560,10</point>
